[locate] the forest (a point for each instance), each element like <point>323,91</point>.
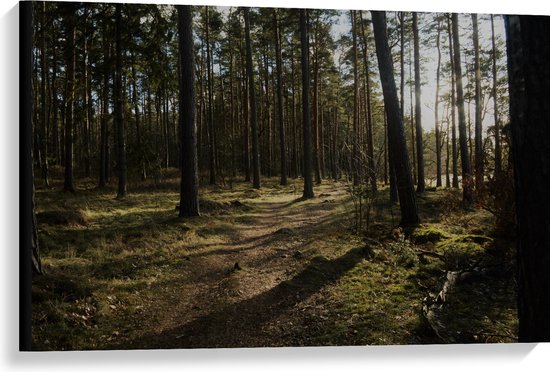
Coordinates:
<point>206,176</point>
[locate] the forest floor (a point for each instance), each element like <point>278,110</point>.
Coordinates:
<point>264,268</point>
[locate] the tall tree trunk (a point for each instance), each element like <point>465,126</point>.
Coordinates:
<point>498,151</point>
<point>268,129</point>
<point>355,131</point>
<point>467,195</point>
<point>87,103</point>
<point>396,129</point>
<point>401,17</point>
<point>189,193</point>
<point>280,102</point>
<point>43,109</point>
<point>295,167</point>
<point>334,163</point>
<point>447,160</point>
<point>121,145</point>
<point>246,126</point>
<point>438,143</point>
<point>370,140</point>
<point>70,58</point>
<point>103,142</point>
<point>421,186</point>
<point>29,241</point>
<point>412,116</point>
<point>394,195</point>
<point>528,46</point>
<point>478,125</point>
<point>211,142</point>
<point>304,45</point>
<point>252,95</point>
<point>453,106</point>
<point>315,104</point>
<point>55,109</point>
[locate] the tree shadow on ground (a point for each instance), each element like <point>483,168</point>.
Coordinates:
<point>243,323</point>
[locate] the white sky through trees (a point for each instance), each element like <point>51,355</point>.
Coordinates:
<point>428,54</point>
<point>428,63</point>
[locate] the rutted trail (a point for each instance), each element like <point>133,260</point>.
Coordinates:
<point>235,290</point>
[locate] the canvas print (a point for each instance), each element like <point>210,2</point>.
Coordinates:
<point>227,177</point>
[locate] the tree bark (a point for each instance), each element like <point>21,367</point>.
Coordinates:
<point>467,194</point>
<point>478,125</point>
<point>119,118</point>
<point>528,46</point>
<point>251,93</point>
<point>211,142</point>
<point>396,129</point>
<point>315,104</point>
<point>370,136</point>
<point>438,143</point>
<point>498,151</point>
<point>189,193</point>
<point>304,44</point>
<point>70,58</point>
<point>280,102</point>
<point>453,106</point>
<point>43,109</point>
<point>355,164</point>
<point>421,186</point>
<point>103,141</point>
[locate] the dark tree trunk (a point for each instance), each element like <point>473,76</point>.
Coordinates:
<point>478,125</point>
<point>304,44</point>
<point>87,103</point>
<point>356,164</point>
<point>55,108</point>
<point>315,104</point>
<point>280,102</point>
<point>189,194</point>
<point>438,143</point>
<point>421,186</point>
<point>211,142</point>
<point>334,162</point>
<point>43,109</point>
<point>29,240</point>
<point>401,16</point>
<point>528,45</point>
<point>453,106</point>
<point>396,129</point>
<point>498,151</point>
<point>70,58</point>
<point>103,141</point>
<point>121,145</point>
<point>467,195</point>
<point>252,95</point>
<point>370,140</point>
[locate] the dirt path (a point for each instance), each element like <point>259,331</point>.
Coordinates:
<point>218,305</point>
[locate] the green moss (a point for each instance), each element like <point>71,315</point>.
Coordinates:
<point>425,234</point>
<point>463,250</point>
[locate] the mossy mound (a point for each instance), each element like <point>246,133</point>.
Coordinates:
<point>462,251</point>
<point>423,235</point>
